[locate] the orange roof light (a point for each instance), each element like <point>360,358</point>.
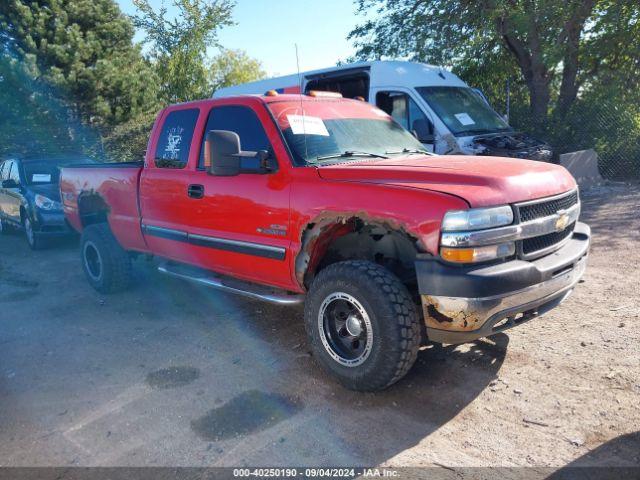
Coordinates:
<point>319,93</point>
<point>271,93</point>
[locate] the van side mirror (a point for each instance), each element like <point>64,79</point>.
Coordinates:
<point>425,137</point>
<point>9,183</point>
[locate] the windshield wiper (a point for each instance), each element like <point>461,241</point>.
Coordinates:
<point>350,153</point>
<point>409,150</point>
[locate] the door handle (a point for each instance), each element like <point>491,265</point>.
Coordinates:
<point>195,191</point>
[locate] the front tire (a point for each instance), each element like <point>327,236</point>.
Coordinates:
<point>34,240</point>
<point>106,264</point>
<point>362,325</point>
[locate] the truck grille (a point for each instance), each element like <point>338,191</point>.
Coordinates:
<point>538,246</point>
<point>545,209</point>
<point>535,244</point>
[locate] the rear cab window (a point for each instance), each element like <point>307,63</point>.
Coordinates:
<point>174,141</point>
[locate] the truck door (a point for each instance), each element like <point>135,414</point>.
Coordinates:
<point>242,222</point>
<point>164,185</point>
<point>407,113</point>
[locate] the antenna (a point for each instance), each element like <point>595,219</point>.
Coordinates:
<point>304,128</point>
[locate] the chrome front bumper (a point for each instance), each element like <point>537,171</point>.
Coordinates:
<point>459,319</point>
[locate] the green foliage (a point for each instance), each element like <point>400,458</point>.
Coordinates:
<point>83,49</point>
<point>179,45</point>
<point>233,67</point>
<point>32,118</point>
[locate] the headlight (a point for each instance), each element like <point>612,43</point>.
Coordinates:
<point>477,218</point>
<point>45,203</point>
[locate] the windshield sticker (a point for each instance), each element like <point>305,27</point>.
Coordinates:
<point>464,119</point>
<point>174,138</point>
<point>304,124</point>
<point>41,178</point>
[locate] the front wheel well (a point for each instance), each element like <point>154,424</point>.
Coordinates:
<point>354,238</point>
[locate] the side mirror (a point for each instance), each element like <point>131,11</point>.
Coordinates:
<point>224,157</point>
<point>222,153</point>
<point>426,138</point>
<point>9,183</point>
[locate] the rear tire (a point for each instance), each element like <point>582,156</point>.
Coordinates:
<point>106,264</point>
<point>362,325</point>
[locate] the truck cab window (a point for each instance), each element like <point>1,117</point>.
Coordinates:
<point>244,122</point>
<point>174,142</point>
<point>407,113</point>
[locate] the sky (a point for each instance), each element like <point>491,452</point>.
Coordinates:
<point>268,31</point>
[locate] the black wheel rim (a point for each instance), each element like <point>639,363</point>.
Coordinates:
<point>92,260</point>
<point>345,329</point>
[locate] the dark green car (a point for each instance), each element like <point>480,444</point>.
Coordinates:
<point>30,196</point>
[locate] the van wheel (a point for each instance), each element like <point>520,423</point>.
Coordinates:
<point>106,264</point>
<point>362,325</point>
<point>35,241</point>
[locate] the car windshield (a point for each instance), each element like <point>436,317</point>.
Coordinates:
<point>340,131</point>
<point>463,110</point>
<point>43,172</point>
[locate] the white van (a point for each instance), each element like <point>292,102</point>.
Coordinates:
<point>442,111</point>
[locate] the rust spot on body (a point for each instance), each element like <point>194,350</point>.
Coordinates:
<point>455,320</point>
<point>326,227</point>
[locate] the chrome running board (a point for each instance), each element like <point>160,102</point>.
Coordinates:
<point>239,287</point>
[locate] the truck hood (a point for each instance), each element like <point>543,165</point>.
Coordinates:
<point>481,181</point>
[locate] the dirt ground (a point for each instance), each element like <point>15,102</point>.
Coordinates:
<point>173,374</point>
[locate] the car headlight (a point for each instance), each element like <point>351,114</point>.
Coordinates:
<point>477,218</point>
<point>45,203</point>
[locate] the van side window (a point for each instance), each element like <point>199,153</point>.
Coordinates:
<point>241,120</point>
<point>407,113</point>
<point>175,137</point>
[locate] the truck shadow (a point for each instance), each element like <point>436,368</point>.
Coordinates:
<point>617,458</point>
<point>344,427</point>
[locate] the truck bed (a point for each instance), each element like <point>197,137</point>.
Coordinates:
<point>112,185</point>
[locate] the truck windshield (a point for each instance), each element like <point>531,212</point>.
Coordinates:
<point>340,131</point>
<point>462,110</point>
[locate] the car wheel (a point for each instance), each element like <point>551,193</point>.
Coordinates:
<point>106,264</point>
<point>35,241</point>
<point>362,325</point>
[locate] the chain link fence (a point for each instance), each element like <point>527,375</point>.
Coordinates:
<point>610,129</point>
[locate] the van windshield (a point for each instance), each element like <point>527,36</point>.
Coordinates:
<point>463,111</point>
<point>340,131</point>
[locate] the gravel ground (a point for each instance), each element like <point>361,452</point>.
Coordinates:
<point>172,374</point>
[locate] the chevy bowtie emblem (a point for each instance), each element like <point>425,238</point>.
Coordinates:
<point>562,221</point>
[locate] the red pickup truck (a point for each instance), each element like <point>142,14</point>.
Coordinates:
<point>328,201</point>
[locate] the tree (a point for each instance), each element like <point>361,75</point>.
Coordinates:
<point>179,45</point>
<point>82,50</point>
<point>559,47</point>
<point>233,67</point>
